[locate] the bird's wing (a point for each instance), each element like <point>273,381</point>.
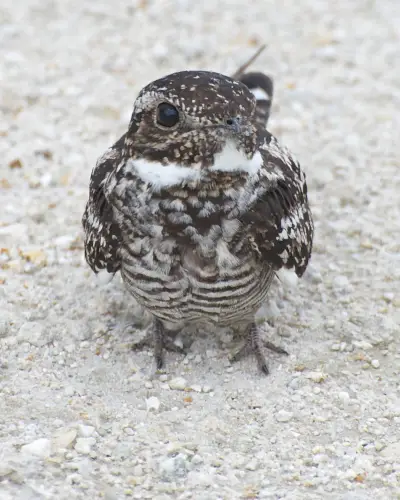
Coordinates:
<point>102,234</point>
<point>279,221</point>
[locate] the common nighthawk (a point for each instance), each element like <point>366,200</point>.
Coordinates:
<point>197,205</point>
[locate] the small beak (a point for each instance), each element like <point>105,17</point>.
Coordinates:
<point>234,123</point>
<point>239,126</point>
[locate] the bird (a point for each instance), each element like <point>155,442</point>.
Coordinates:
<point>198,206</point>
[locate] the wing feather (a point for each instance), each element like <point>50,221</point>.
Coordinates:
<point>102,234</point>
<point>280,222</point>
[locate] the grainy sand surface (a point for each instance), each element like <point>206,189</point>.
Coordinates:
<point>81,416</point>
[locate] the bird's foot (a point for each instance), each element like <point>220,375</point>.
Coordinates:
<point>253,344</point>
<point>158,337</point>
<point>161,342</point>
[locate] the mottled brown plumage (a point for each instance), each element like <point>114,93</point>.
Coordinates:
<point>198,206</point>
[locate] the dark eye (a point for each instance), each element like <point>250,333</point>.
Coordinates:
<point>167,115</point>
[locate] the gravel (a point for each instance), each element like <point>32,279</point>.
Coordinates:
<point>82,413</point>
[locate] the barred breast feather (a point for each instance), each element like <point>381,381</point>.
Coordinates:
<point>189,254</point>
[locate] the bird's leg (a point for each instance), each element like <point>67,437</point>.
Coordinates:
<point>161,341</point>
<point>158,332</point>
<point>253,343</point>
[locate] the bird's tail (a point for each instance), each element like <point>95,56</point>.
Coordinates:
<point>260,85</point>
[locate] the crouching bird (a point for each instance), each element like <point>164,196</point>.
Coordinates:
<point>198,206</point>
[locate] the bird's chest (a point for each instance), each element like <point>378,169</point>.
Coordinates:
<point>189,258</point>
<point>187,236</point>
<point>190,233</point>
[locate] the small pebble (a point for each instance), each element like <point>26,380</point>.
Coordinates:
<point>196,388</point>
<point>84,445</point>
<point>69,391</point>
<point>206,389</point>
<point>375,363</point>
<point>40,448</point>
<point>341,282</point>
<point>86,430</point>
<point>63,438</point>
<point>152,403</point>
<point>283,416</point>
<point>362,344</point>
<point>344,396</point>
<point>317,377</point>
<point>177,384</point>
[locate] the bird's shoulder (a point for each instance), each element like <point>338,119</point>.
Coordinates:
<point>278,217</point>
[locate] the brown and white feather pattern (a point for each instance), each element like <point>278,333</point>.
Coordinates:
<point>198,217</point>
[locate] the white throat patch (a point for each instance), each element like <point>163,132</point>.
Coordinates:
<point>232,160</point>
<point>161,176</point>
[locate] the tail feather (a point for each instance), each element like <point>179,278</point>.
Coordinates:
<point>260,85</point>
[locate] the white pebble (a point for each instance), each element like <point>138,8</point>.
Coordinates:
<point>41,448</point>
<point>174,467</point>
<point>69,391</point>
<point>177,384</point>
<point>283,416</point>
<point>375,363</point>
<point>320,458</point>
<point>206,388</point>
<point>86,430</point>
<point>350,475</point>
<point>344,396</point>
<point>341,282</point>
<point>362,344</point>
<point>316,377</point>
<point>63,438</point>
<point>196,388</point>
<point>379,446</point>
<point>84,445</point>
<point>328,53</point>
<point>152,403</point>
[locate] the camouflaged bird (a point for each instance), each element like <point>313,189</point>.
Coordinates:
<point>198,206</point>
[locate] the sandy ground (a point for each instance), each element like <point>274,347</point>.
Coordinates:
<point>81,415</point>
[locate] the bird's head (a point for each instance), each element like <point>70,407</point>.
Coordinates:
<point>196,120</point>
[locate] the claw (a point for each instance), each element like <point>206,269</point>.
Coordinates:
<point>253,344</point>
